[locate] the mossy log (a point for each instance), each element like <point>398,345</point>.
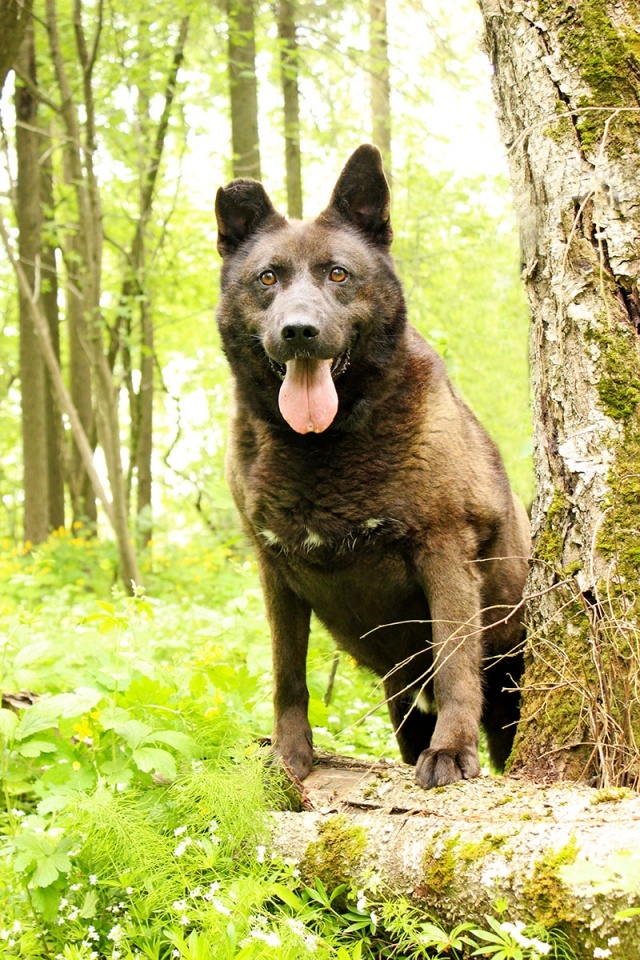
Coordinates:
<point>562,856</point>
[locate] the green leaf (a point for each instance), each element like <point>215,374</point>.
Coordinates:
<point>33,748</point>
<point>46,712</point>
<point>40,716</point>
<point>134,732</point>
<point>48,869</point>
<point>149,759</point>
<point>88,909</point>
<point>287,896</point>
<point>31,651</point>
<point>181,742</point>
<point>8,724</point>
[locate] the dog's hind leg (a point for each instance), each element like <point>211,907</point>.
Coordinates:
<point>413,728</point>
<point>501,709</point>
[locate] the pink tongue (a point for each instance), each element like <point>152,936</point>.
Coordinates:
<point>308,400</point>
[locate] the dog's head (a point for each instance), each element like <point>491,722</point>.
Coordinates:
<point>308,309</point>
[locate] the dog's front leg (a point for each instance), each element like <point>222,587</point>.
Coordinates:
<point>452,587</point>
<point>289,618</point>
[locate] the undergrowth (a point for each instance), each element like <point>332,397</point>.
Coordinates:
<point>135,796</point>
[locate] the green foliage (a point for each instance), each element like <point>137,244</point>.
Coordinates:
<point>135,803</point>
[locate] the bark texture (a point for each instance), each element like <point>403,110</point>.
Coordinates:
<point>243,89</point>
<point>380,83</point>
<point>558,856</point>
<point>15,15</point>
<point>32,371</point>
<point>289,54</point>
<point>567,87</point>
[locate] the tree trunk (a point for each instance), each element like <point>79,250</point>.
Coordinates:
<point>243,89</point>
<point>567,86</point>
<point>291,105</point>
<point>15,15</point>
<point>82,147</point>
<point>32,371</point>
<point>49,299</point>
<point>380,84</point>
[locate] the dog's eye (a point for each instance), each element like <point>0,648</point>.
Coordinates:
<point>338,274</point>
<point>267,278</point>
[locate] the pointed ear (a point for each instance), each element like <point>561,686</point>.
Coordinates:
<point>361,195</point>
<point>241,208</point>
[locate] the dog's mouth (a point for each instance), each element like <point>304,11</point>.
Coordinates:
<point>308,399</point>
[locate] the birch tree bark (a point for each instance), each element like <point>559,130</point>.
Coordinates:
<point>567,85</point>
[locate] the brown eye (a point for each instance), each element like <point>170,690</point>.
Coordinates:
<point>267,278</point>
<point>338,274</point>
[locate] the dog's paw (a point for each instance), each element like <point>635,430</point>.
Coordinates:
<point>436,768</point>
<point>297,759</point>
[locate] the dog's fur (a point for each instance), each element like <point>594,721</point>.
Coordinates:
<point>391,519</point>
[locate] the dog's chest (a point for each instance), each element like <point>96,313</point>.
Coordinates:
<point>322,513</point>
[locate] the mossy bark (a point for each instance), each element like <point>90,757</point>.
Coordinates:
<point>567,85</point>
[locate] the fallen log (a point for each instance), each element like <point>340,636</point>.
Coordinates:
<point>565,857</point>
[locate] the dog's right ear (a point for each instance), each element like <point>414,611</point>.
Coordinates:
<point>241,208</point>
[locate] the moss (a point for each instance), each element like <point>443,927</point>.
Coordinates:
<point>546,894</point>
<point>440,866</point>
<point>550,540</point>
<point>334,856</point>
<point>471,852</point>
<point>611,795</point>
<point>607,60</point>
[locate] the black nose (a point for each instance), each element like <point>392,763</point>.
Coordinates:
<point>300,333</point>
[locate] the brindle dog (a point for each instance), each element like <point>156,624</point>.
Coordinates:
<point>372,494</point>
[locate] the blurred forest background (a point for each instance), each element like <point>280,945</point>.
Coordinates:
<point>118,128</point>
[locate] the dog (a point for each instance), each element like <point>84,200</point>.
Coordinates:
<point>373,496</point>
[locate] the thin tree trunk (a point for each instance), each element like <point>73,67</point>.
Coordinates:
<point>380,85</point>
<point>82,152</point>
<point>243,89</point>
<point>32,371</point>
<point>49,299</point>
<point>566,80</point>
<point>289,54</point>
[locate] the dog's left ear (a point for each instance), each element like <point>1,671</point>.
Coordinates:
<point>242,207</point>
<point>361,195</point>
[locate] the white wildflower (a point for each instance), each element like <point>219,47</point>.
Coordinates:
<point>270,937</point>
<point>196,892</point>
<point>601,953</point>
<point>184,920</point>
<point>361,903</point>
<point>213,888</point>
<point>182,846</point>
<point>220,907</point>
<point>179,831</point>
<point>179,904</point>
<point>116,933</point>
<point>17,927</point>
<point>613,941</point>
<point>374,919</point>
<point>93,879</point>
<point>260,853</point>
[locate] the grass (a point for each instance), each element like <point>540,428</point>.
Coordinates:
<point>134,820</point>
